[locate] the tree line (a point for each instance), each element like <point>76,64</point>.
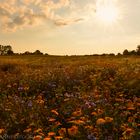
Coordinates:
<point>7,50</point>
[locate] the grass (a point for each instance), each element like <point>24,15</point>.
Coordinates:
<point>70,98</point>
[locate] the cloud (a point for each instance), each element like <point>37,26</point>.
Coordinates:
<point>64,22</point>
<point>15,14</point>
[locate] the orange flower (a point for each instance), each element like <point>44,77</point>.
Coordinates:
<point>128,133</point>
<point>108,119</point>
<point>1,130</point>
<point>119,100</point>
<point>77,113</point>
<point>88,127</point>
<point>62,131</point>
<point>47,138</point>
<point>55,112</point>
<point>51,134</point>
<point>78,122</point>
<point>131,108</point>
<point>100,121</point>
<point>58,137</point>
<point>94,113</point>
<point>73,130</point>
<point>100,112</point>
<point>130,119</point>
<point>27,130</point>
<point>40,101</point>
<point>52,120</point>
<point>38,137</point>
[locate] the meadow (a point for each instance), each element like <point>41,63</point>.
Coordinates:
<point>70,97</point>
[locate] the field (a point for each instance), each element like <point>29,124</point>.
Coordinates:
<point>69,98</point>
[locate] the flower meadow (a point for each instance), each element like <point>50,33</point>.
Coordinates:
<point>69,98</point>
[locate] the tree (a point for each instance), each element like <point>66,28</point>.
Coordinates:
<point>10,52</point>
<point>37,52</point>
<point>138,50</point>
<point>5,50</point>
<point>125,52</point>
<point>27,53</point>
<point>133,52</point>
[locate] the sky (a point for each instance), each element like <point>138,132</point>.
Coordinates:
<point>70,27</point>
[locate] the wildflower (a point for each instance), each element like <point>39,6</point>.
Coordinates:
<point>51,134</point>
<point>91,137</point>
<point>55,112</point>
<point>30,104</point>
<point>88,127</point>
<point>47,138</point>
<point>100,112</point>
<point>27,130</point>
<point>38,137</point>
<point>38,130</point>
<point>77,113</point>
<point>40,101</point>
<point>26,88</point>
<point>100,121</point>
<point>78,122</point>
<point>1,130</point>
<point>108,119</point>
<point>128,133</point>
<point>58,137</point>
<point>119,100</point>
<point>20,88</point>
<point>62,131</point>
<point>94,113</point>
<point>41,134</point>
<point>9,86</point>
<point>52,120</point>
<point>73,130</point>
<point>131,108</point>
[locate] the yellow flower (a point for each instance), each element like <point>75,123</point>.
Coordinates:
<point>108,119</point>
<point>100,121</point>
<point>38,130</point>
<point>73,130</point>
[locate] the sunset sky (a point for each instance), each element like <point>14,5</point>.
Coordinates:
<point>69,27</point>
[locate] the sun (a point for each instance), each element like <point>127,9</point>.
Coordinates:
<point>107,13</point>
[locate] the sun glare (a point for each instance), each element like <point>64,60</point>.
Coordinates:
<point>107,13</point>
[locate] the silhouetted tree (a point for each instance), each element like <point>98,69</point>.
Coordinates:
<point>125,52</point>
<point>119,54</point>
<point>37,52</point>
<point>10,52</point>
<point>27,53</point>
<point>5,50</point>
<point>138,50</point>
<point>111,54</point>
<point>133,52</point>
